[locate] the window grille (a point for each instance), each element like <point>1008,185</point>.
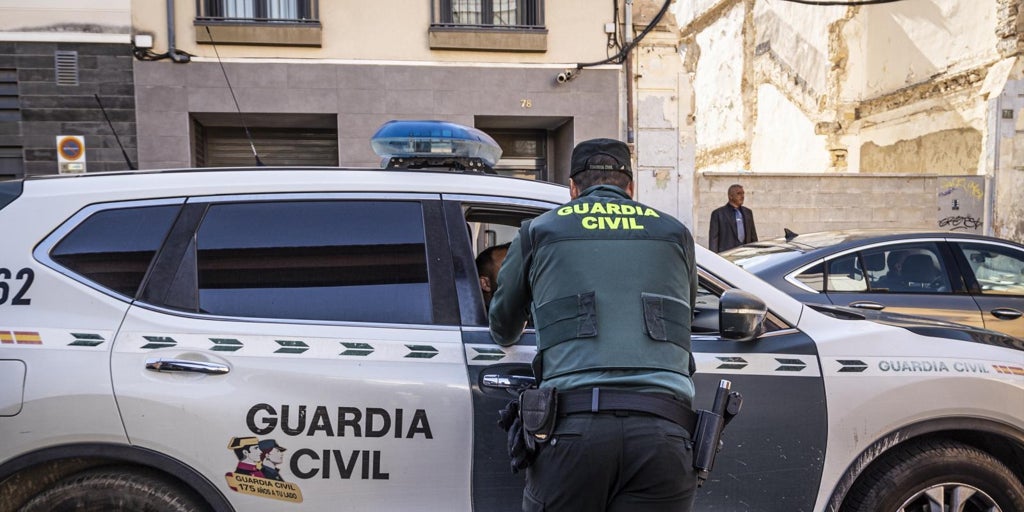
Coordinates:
<point>259,11</point>
<point>515,14</point>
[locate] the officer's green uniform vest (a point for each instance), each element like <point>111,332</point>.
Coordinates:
<point>611,288</point>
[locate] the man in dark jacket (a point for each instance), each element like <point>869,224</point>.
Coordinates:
<point>611,284</point>
<point>733,224</point>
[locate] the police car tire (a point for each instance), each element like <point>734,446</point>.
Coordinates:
<point>911,469</point>
<point>115,489</point>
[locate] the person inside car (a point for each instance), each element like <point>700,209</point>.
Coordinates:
<point>893,280</point>
<point>487,264</point>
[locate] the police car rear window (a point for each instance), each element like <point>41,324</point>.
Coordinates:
<point>114,248</point>
<point>362,261</point>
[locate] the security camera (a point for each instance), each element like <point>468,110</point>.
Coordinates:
<point>565,76</point>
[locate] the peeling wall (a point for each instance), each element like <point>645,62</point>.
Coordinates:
<point>1008,218</point>
<point>796,37</point>
<point>896,45</point>
<point>896,88</point>
<point>945,152</point>
<point>718,77</point>
<point>664,140</point>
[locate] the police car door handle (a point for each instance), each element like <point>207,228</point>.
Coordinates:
<point>867,304</point>
<point>179,365</point>
<point>1006,313</point>
<point>493,380</point>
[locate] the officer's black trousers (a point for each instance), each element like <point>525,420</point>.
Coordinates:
<point>604,462</point>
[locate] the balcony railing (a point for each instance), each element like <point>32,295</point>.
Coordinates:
<point>488,14</point>
<point>258,11</point>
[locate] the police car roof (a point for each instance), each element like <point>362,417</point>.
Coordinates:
<point>121,185</point>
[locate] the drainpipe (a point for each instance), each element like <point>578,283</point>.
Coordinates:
<point>629,72</point>
<point>995,132</point>
<point>172,51</point>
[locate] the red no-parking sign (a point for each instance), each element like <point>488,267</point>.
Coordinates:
<point>71,154</point>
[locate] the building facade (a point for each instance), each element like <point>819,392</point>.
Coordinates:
<point>66,69</point>
<point>898,114</point>
<point>311,81</point>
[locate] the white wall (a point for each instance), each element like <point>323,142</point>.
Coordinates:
<point>905,43</point>
<point>784,138</point>
<point>718,107</point>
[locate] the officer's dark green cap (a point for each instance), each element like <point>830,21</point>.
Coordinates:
<point>600,155</point>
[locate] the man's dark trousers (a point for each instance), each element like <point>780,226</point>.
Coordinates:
<point>613,462</point>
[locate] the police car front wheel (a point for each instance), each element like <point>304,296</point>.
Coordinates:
<point>114,489</point>
<point>937,475</point>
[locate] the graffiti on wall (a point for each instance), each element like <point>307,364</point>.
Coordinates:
<point>961,201</point>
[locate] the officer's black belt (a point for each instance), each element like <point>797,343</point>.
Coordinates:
<point>597,400</point>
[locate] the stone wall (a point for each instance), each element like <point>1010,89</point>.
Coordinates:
<point>48,109</point>
<point>807,202</point>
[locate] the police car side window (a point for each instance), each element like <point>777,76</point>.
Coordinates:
<point>114,247</point>
<point>362,261</point>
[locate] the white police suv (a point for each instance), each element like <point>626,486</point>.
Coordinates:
<point>316,340</point>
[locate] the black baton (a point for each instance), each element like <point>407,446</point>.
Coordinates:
<point>710,424</point>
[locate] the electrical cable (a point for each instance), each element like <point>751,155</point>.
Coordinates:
<point>618,58</point>
<point>613,37</point>
<point>145,54</point>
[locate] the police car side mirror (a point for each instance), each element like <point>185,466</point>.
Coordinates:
<point>740,315</point>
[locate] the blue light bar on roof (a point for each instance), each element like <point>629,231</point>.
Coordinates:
<point>433,140</point>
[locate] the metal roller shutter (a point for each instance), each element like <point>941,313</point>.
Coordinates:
<point>223,146</point>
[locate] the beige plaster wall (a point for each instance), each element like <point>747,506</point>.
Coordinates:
<point>392,30</point>
<point>954,151</point>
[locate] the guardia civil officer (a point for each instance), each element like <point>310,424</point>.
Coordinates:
<point>610,283</point>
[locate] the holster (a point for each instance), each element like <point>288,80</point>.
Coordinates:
<point>539,409</point>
